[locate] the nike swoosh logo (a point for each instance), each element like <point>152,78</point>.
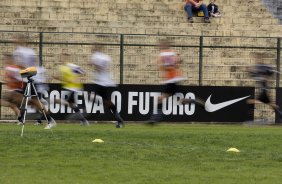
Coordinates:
<point>209,107</point>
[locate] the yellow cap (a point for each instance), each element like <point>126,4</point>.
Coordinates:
<point>29,72</point>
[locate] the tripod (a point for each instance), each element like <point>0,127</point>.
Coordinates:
<point>27,95</point>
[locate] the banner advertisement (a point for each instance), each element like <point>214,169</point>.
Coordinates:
<point>279,103</point>
<point>138,102</point>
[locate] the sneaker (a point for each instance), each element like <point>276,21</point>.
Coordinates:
<point>49,126</point>
<point>118,117</point>
<point>119,124</point>
<point>207,20</point>
<point>84,123</point>
<point>151,122</point>
<point>190,20</point>
<point>37,123</point>
<point>52,123</point>
<point>19,123</point>
<point>155,118</point>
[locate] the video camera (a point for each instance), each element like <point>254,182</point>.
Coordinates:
<point>28,72</point>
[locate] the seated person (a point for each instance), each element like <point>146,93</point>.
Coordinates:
<point>213,9</point>
<point>196,5</point>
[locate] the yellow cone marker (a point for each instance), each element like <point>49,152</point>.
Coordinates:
<point>98,140</point>
<point>233,150</point>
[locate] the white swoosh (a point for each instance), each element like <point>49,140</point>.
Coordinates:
<point>214,107</point>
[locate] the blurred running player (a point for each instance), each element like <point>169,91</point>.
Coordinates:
<point>103,80</point>
<point>25,57</point>
<point>13,81</point>
<point>169,62</point>
<point>262,73</point>
<point>41,86</point>
<point>70,75</point>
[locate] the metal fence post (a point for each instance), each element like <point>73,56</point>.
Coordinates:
<point>121,59</point>
<point>40,48</point>
<point>201,60</point>
<point>278,59</point>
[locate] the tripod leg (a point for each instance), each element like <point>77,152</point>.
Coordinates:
<point>25,93</point>
<point>26,96</point>
<point>51,122</point>
<point>22,102</point>
<point>42,109</point>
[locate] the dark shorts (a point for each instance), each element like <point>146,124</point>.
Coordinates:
<point>103,91</point>
<point>170,88</point>
<point>264,97</point>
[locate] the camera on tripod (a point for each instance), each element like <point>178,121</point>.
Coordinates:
<point>28,72</point>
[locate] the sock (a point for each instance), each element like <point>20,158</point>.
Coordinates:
<point>81,117</point>
<point>47,116</point>
<point>160,106</point>
<point>118,117</point>
<point>76,109</point>
<point>20,118</point>
<point>113,109</point>
<point>39,120</point>
<point>157,117</point>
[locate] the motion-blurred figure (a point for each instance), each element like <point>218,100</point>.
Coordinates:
<point>13,95</point>
<point>70,75</point>
<point>103,80</point>
<point>25,57</point>
<point>262,73</point>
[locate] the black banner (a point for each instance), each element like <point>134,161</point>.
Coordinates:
<point>279,103</point>
<point>138,102</point>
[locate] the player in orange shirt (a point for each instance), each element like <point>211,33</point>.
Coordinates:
<point>14,93</point>
<point>168,61</point>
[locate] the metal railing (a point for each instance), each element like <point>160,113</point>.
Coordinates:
<point>207,60</point>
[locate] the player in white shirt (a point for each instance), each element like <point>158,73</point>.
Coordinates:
<point>26,57</point>
<point>41,86</point>
<point>103,79</point>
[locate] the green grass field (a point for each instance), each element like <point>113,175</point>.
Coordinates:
<point>139,154</point>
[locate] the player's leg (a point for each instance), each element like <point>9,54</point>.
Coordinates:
<point>103,91</point>
<point>265,98</point>
<point>14,107</point>
<point>169,90</point>
<point>197,101</point>
<point>113,108</point>
<point>39,118</point>
<point>35,102</point>
<point>14,99</point>
<point>73,105</point>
